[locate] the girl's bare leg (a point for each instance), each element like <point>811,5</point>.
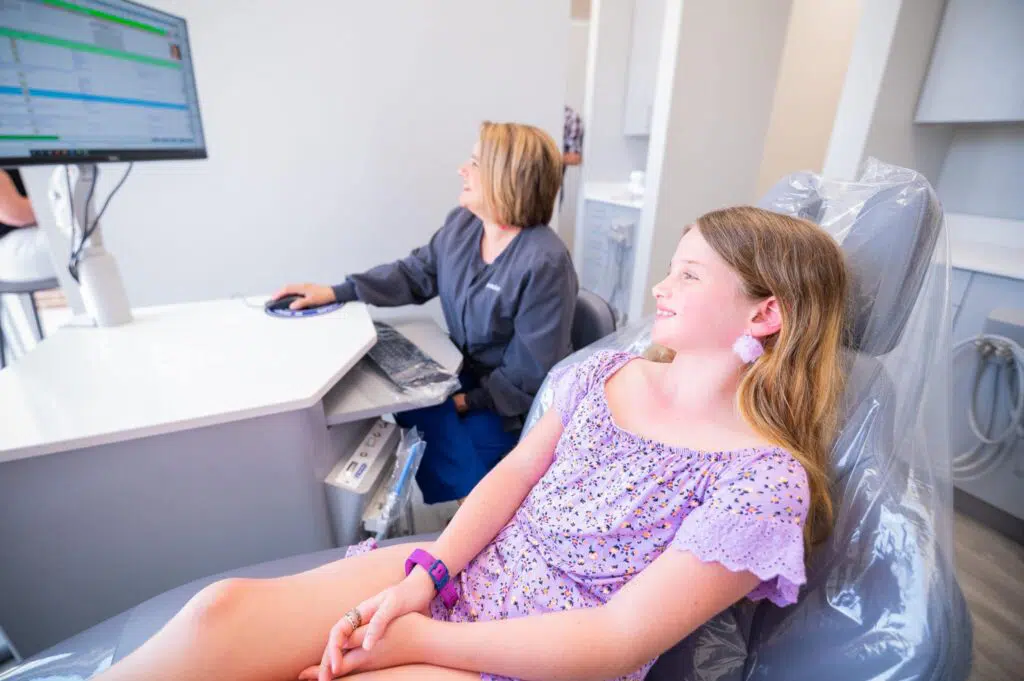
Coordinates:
<point>261,629</point>
<point>416,673</point>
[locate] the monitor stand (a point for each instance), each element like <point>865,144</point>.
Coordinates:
<point>98,276</point>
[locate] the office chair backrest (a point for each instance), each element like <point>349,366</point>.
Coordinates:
<point>594,319</point>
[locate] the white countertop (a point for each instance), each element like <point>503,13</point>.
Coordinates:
<point>173,368</point>
<point>984,244</point>
<point>616,193</point>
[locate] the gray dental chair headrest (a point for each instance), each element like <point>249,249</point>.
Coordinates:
<point>887,224</point>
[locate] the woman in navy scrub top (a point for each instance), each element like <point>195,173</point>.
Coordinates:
<point>508,290</point>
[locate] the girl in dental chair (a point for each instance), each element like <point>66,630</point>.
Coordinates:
<point>649,498</point>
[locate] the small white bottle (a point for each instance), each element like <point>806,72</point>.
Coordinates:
<point>636,184</point>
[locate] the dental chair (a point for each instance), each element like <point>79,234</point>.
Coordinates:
<point>881,600</point>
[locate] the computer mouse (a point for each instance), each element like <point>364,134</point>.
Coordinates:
<point>282,303</point>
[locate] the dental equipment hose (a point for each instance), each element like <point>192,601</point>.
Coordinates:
<point>1007,357</point>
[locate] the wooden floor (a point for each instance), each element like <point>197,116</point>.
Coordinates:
<point>990,569</point>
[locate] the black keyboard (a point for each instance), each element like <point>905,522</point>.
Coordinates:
<point>402,362</point>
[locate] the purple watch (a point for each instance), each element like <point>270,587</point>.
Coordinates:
<point>438,574</point>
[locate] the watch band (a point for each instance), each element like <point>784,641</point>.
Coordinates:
<point>438,573</point>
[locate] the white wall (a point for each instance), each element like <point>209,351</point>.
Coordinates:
<point>814,62</point>
<point>608,155</point>
<point>706,156</point>
<point>876,111</point>
<point>335,130</point>
<point>576,69</point>
<point>575,91</point>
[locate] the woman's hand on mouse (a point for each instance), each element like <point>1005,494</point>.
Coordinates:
<point>313,295</point>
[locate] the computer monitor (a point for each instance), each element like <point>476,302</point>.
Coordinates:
<point>92,81</point>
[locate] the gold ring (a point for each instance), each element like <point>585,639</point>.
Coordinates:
<point>354,618</point>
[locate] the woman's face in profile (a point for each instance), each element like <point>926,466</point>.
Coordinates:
<point>472,198</point>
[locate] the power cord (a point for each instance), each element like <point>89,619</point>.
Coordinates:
<point>242,298</point>
<point>1007,358</point>
<point>90,227</point>
<point>71,215</point>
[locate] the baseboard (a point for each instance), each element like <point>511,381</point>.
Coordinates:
<point>989,515</point>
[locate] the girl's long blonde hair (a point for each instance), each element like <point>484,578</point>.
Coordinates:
<point>791,395</point>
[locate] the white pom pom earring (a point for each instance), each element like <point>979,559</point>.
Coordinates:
<point>748,348</point>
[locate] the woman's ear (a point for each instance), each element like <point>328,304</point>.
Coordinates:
<point>767,318</point>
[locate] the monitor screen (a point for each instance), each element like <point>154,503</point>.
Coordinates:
<point>87,81</point>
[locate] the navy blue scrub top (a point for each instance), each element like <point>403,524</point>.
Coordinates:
<point>512,319</point>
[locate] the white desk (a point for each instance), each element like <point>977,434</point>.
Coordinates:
<point>191,441</point>
<point>174,368</point>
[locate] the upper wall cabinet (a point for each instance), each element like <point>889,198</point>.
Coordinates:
<point>977,69</point>
<point>644,54</point>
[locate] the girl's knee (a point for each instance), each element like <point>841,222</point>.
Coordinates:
<point>218,601</point>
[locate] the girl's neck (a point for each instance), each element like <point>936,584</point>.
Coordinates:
<point>699,382</point>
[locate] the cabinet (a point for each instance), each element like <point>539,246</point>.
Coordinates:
<point>977,68</point>
<point>959,280</point>
<point>979,294</point>
<point>1001,483</point>
<point>642,76</point>
<point>606,265</point>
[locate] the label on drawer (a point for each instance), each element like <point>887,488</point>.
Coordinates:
<point>367,459</point>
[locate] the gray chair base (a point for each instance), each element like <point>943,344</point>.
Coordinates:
<point>26,288</point>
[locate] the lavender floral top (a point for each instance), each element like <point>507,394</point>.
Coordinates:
<point>613,501</point>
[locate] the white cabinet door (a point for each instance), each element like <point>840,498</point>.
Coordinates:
<point>645,49</point>
<point>977,68</point>
<point>606,267</point>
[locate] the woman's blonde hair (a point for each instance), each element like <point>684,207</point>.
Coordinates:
<point>521,173</point>
<point>791,395</point>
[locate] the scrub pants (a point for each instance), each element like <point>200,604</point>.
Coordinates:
<point>461,449</point>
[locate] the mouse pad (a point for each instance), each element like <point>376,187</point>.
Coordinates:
<point>308,312</point>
